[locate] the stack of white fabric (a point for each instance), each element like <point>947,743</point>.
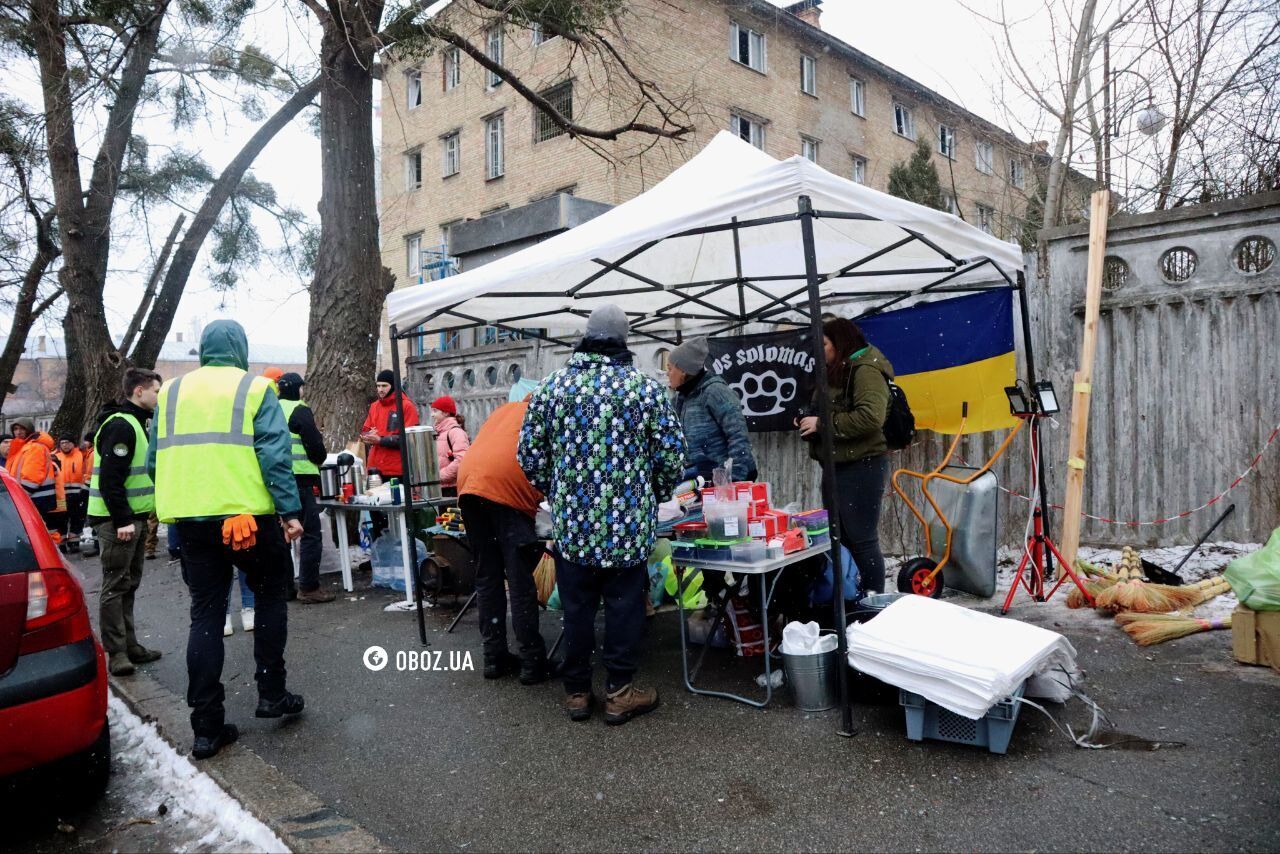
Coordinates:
<point>962,660</point>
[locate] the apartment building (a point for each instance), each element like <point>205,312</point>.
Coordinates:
<point>459,144</point>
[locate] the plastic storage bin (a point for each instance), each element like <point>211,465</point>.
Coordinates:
<point>726,520</point>
<point>750,552</point>
<point>926,719</point>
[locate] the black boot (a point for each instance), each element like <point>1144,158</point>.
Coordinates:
<point>534,671</point>
<point>288,704</point>
<point>497,666</point>
<point>206,746</point>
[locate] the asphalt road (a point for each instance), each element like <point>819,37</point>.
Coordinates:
<point>445,760</point>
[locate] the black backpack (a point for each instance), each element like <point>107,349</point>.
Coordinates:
<point>899,423</point>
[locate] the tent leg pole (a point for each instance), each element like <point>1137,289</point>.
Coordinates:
<point>830,497</point>
<point>408,486</point>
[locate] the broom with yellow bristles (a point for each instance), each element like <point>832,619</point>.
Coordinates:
<point>1128,575</point>
<point>1158,628</point>
<point>1195,594</point>
<point>1098,579</point>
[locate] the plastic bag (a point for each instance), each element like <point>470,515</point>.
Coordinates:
<point>1255,578</point>
<point>388,561</point>
<point>823,590</point>
<point>806,639</point>
<point>722,480</point>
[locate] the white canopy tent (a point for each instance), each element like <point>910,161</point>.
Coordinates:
<point>730,238</point>
<point>716,243</point>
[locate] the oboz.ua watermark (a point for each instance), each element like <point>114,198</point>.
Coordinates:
<point>377,658</point>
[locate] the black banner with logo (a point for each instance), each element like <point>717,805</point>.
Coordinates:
<point>772,374</point>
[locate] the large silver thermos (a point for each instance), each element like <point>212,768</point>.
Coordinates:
<point>351,472</point>
<point>424,468</point>
<point>330,482</point>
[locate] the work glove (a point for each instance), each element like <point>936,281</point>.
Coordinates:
<point>239,532</point>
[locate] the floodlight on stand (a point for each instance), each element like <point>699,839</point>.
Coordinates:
<point>1046,398</point>
<point>1018,403</point>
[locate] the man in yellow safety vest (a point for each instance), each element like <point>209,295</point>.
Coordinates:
<point>223,476</point>
<point>307,453</point>
<point>121,496</point>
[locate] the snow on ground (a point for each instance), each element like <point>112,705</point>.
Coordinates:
<point>199,816</point>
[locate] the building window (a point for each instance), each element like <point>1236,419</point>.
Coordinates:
<point>987,219</point>
<point>950,205</point>
<point>947,141</point>
<point>413,169</point>
<point>413,88</point>
<point>809,75</point>
<point>809,148</point>
<point>413,256</point>
<point>561,98</point>
<point>857,96</point>
<point>452,68</point>
<point>540,35</point>
<point>1017,172</point>
<point>903,123</point>
<point>984,157</point>
<point>493,145</point>
<point>859,169</point>
<point>747,47</point>
<point>452,160</point>
<point>745,128</point>
<point>493,50</point>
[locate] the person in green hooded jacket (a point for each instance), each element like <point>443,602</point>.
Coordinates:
<point>222,461</point>
<point>858,378</point>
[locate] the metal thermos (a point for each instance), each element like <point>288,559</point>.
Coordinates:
<point>330,482</point>
<point>424,470</point>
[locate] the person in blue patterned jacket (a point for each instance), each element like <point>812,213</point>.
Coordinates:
<point>601,442</point>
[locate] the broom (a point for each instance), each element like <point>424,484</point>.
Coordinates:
<point>1158,628</point>
<point>1117,596</point>
<point>1098,580</point>
<point>1195,594</point>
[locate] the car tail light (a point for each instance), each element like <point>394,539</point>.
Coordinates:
<point>56,614</point>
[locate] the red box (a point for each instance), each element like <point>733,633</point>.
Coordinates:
<point>760,506</point>
<point>708,494</point>
<point>784,521</point>
<point>763,527</point>
<point>753,491</point>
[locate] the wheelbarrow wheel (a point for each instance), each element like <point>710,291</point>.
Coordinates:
<point>913,577</point>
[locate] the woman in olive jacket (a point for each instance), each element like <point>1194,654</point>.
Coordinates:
<point>857,376</point>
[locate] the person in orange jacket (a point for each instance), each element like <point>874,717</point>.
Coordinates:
<point>31,462</point>
<point>75,480</point>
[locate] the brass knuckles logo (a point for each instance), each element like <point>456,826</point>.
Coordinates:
<point>764,390</point>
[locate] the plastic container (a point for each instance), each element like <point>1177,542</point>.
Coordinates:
<point>707,552</point>
<point>820,537</point>
<point>726,520</point>
<point>749,552</point>
<point>813,679</point>
<point>689,531</point>
<point>683,550</point>
<point>811,520</point>
<point>926,719</point>
<point>388,561</point>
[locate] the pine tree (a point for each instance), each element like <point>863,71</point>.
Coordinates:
<point>917,179</point>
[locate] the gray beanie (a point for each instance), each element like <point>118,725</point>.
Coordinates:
<point>607,322</point>
<point>691,356</point>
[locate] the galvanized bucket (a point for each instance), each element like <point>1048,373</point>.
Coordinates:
<point>813,679</point>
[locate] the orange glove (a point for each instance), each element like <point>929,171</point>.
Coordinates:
<point>239,532</point>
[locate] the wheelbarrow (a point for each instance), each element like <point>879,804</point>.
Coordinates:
<point>924,575</point>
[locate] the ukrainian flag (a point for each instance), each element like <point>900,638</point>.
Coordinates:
<point>952,351</point>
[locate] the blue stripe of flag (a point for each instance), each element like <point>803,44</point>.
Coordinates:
<point>944,334</point>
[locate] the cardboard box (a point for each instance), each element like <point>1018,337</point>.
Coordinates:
<point>752,491</point>
<point>763,527</point>
<point>1255,637</point>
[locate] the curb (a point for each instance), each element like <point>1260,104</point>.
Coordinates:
<point>302,821</point>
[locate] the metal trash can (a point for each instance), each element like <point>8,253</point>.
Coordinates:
<point>813,679</point>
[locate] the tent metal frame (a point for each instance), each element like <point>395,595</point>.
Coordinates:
<point>804,302</point>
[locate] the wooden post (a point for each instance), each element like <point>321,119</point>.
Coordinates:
<point>1082,389</point>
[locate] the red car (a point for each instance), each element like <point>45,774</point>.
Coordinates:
<point>53,673</point>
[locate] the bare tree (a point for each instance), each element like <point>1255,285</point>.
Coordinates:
<point>350,282</point>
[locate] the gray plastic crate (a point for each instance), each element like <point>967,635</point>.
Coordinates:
<point>926,719</point>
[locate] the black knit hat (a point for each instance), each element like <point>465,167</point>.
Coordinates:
<point>386,376</point>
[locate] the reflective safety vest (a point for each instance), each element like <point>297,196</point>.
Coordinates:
<point>138,488</point>
<point>45,488</point>
<point>206,466</point>
<point>301,465</point>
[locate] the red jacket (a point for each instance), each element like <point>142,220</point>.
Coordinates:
<point>382,418</point>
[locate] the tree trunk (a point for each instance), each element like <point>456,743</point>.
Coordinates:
<point>24,307</point>
<point>84,218</point>
<point>140,312</point>
<point>350,284</point>
<point>184,257</point>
